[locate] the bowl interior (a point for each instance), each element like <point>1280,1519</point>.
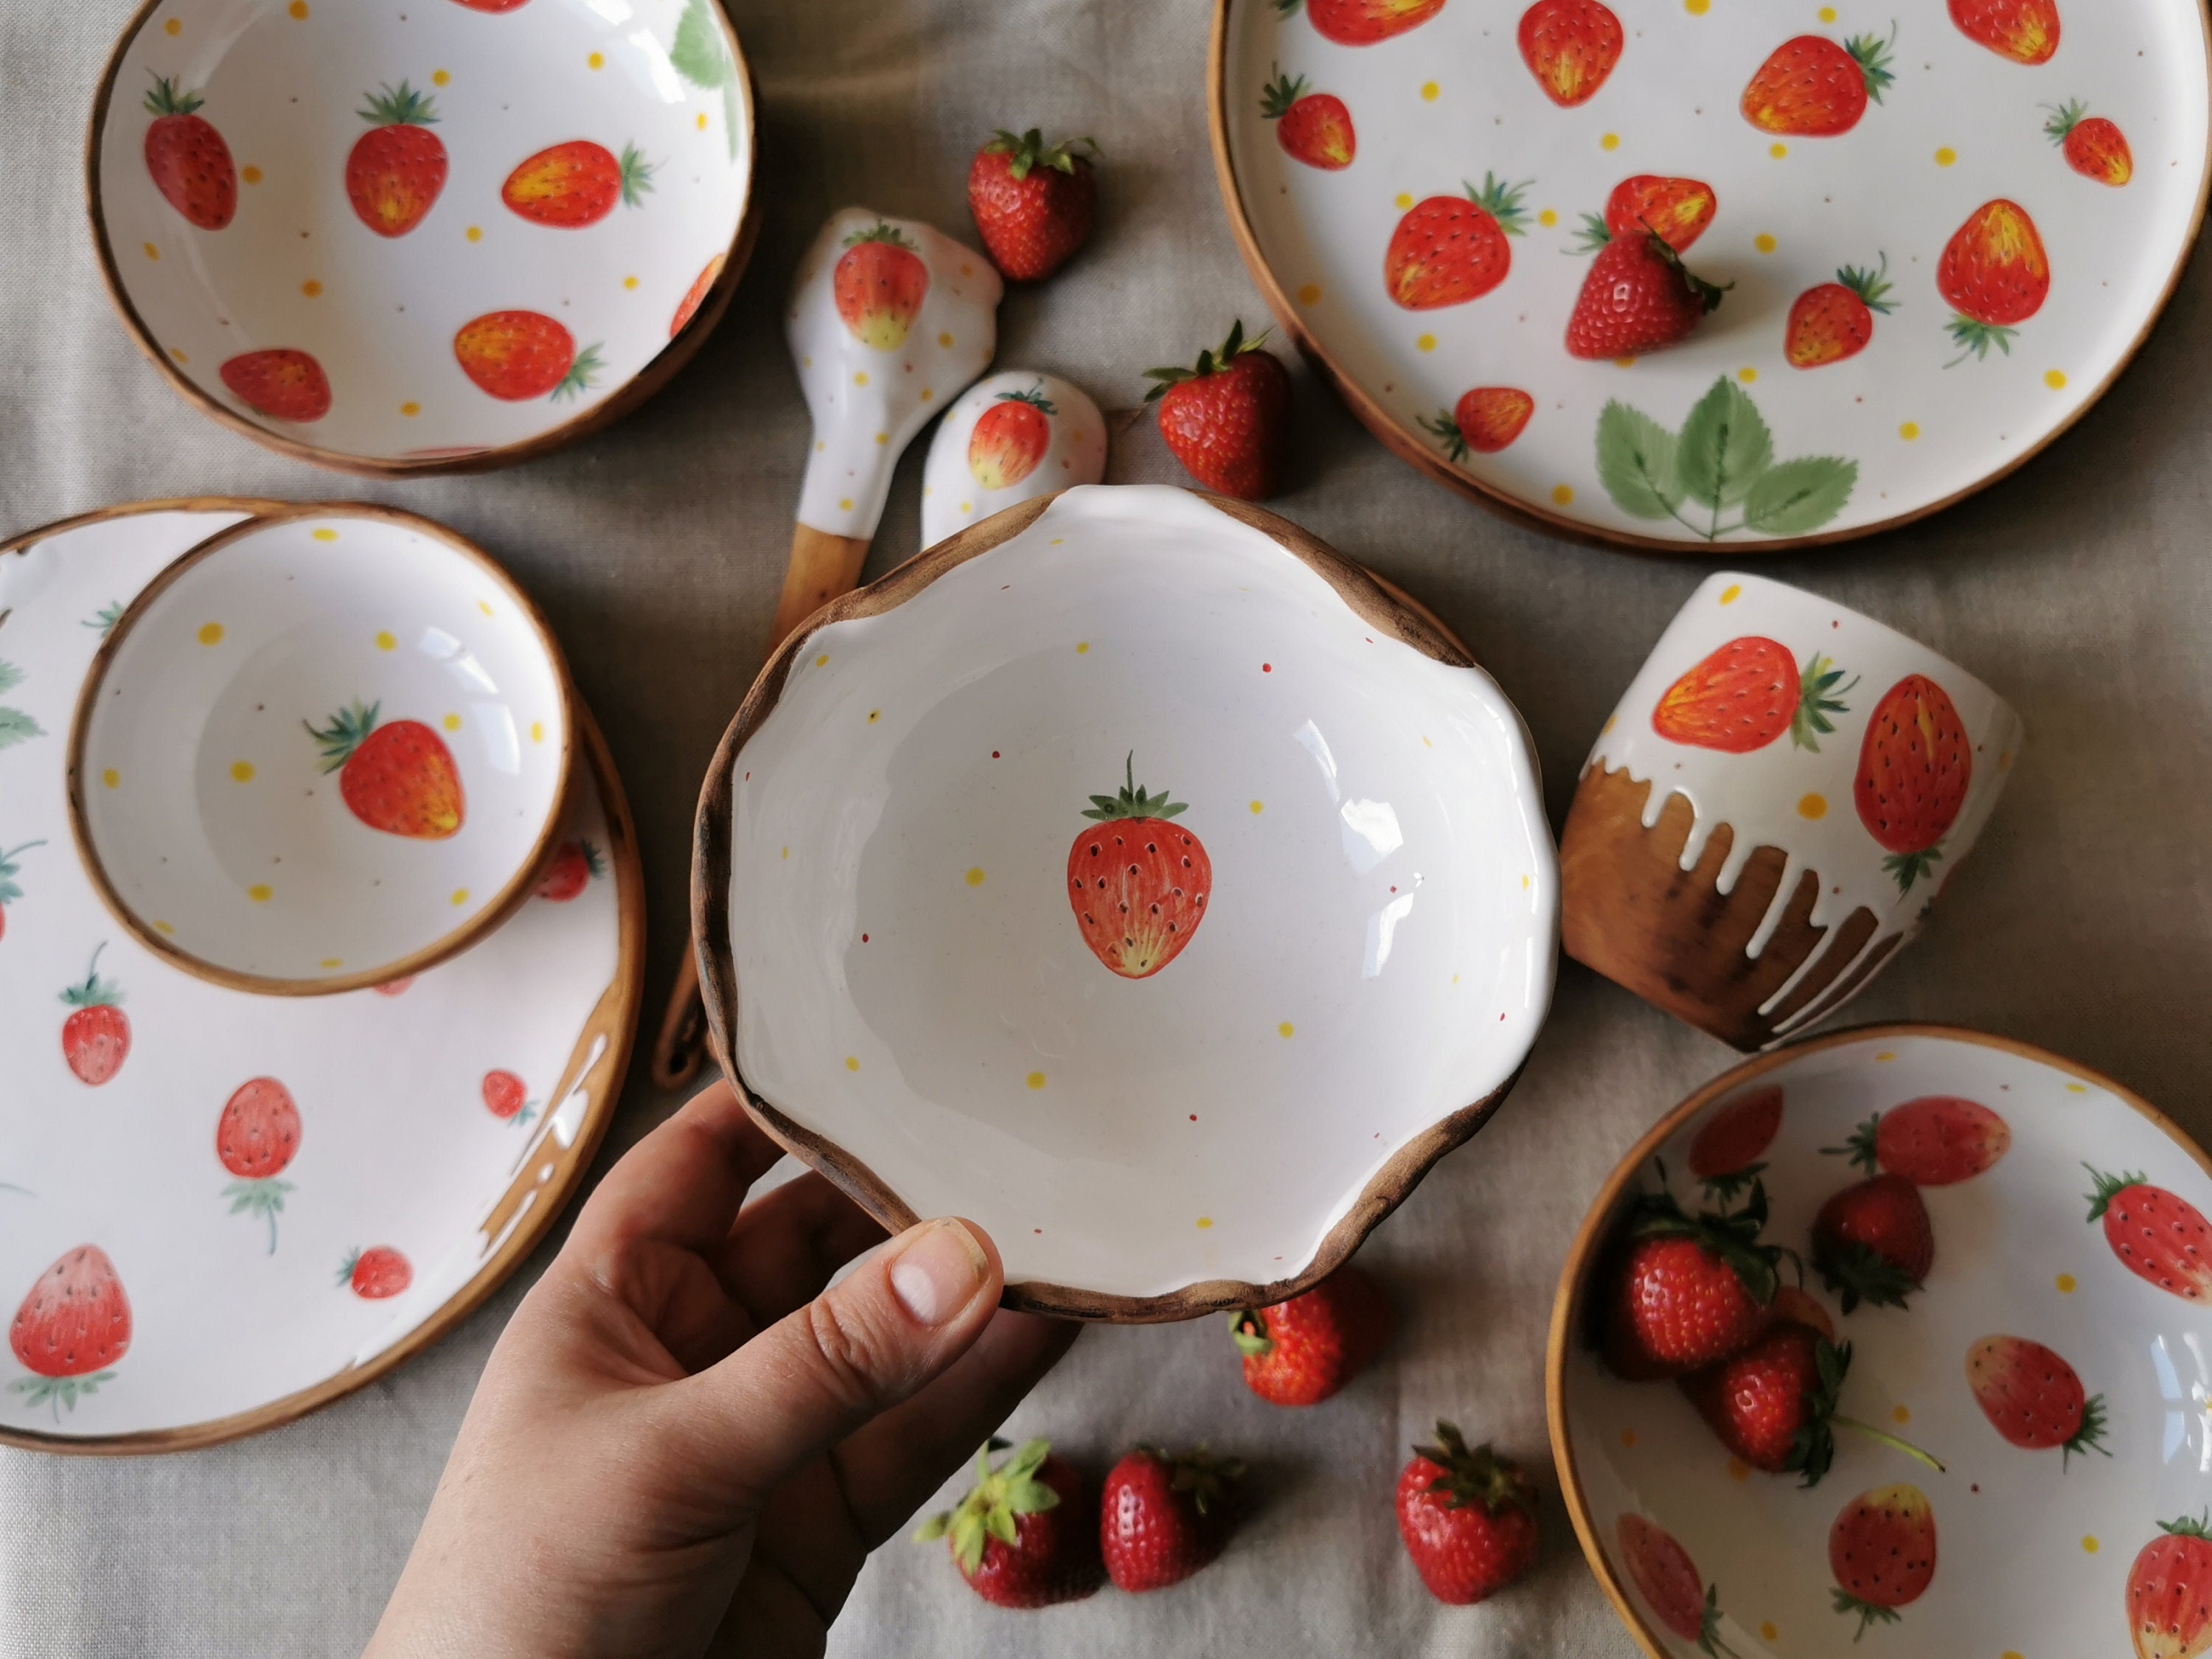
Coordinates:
<point>1341,937</point>
<point>423,231</point>
<point>324,746</point>
<point>2033,1545</point>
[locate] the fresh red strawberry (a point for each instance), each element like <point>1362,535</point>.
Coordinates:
<point>1728,1145</point>
<point>74,1324</point>
<point>1689,1290</point>
<point>1835,320</point>
<point>1995,272</point>
<point>2158,1235</point>
<point>1228,419</point>
<point>255,1138</point>
<point>694,296</point>
<point>1485,421</point>
<point>1363,22</point>
<point>1468,1518</point>
<point>281,383</point>
<point>1300,1351</point>
<point>1010,438</point>
<point>1915,763</point>
<point>1570,47</point>
<point>8,890</point>
<point>397,778</point>
<point>1161,1518</point>
<point>2025,31</point>
<point>376,1272</point>
<point>1638,297</point>
<point>190,163</point>
<point>397,168</point>
<point>1033,202</point>
<point>1937,1140</point>
<point>1882,1551</point>
<point>2170,1592</point>
<point>576,184</point>
<point>506,1098</point>
<point>1137,883</point>
<point>1448,250</point>
<point>1774,1405</point>
<point>515,355</point>
<point>1800,1307</point>
<point>1811,88</point>
<point>1748,693</point>
<point>1038,1502</point>
<point>1313,127</point>
<point>1675,210</point>
<point>1670,1583</point>
<point>2092,146</point>
<point>96,1035</point>
<point>2033,1398</point>
<point>1873,1241</point>
<point>574,866</point>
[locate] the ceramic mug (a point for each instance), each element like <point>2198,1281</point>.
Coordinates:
<point>1773,807</point>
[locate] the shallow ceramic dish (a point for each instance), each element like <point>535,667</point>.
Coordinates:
<point>440,237</point>
<point>323,750</point>
<point>1342,899</point>
<point>1349,138</point>
<point>418,1139</point>
<point>2038,1547</point>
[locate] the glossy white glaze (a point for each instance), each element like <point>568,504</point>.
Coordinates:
<point>1059,443</point>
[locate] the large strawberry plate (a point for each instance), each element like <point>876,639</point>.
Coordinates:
<point>2005,1260</point>
<point>1676,274</point>
<point>219,1211</point>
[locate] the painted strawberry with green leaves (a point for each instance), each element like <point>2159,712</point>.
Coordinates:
<point>397,168</point>
<point>1934,1140</point>
<point>1835,320</point>
<point>187,159</point>
<point>1010,438</point>
<point>255,1139</point>
<point>1363,22</point>
<point>397,776</point>
<point>1881,1549</point>
<point>2159,1236</point>
<point>96,1035</point>
<point>71,1329</point>
<point>2170,1591</point>
<point>1671,1586</point>
<point>574,866</point>
<point>2033,1398</point>
<point>1726,1152</point>
<point>508,1098</point>
<point>1313,127</point>
<point>1137,882</point>
<point>1915,763</point>
<point>1485,419</point>
<point>376,1273</point>
<point>1745,694</point>
<point>1448,250</point>
<point>8,871</point>
<point>878,286</point>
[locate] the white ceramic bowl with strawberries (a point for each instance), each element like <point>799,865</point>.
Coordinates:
<point>1135,875</point>
<point>2026,1245</point>
<point>326,749</point>
<point>439,237</point>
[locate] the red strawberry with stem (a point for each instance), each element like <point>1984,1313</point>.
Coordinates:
<point>1748,693</point>
<point>1313,127</point>
<point>1835,320</point>
<point>1688,1289</point>
<point>1881,1549</point>
<point>1725,1153</point>
<point>2170,1591</point>
<point>1915,763</point>
<point>695,295</point>
<point>9,870</point>
<point>1873,1241</point>
<point>1937,1140</point>
<point>1301,1351</point>
<point>879,284</point>
<point>1675,210</point>
<point>515,355</point>
<point>1775,1404</point>
<point>2034,1399</point>
<point>1448,250</point>
<point>96,1035</point>
<point>2025,31</point>
<point>2092,146</point>
<point>1363,22</point>
<point>1228,419</point>
<point>506,1098</point>
<point>1670,1583</point>
<point>255,1138</point>
<point>398,777</point>
<point>2158,1235</point>
<point>190,163</point>
<point>1468,1518</point>
<point>376,1272</point>
<point>73,1326</point>
<point>1811,88</point>
<point>1137,883</point>
<point>576,184</point>
<point>1638,297</point>
<point>1161,1518</point>
<point>1010,438</point>
<point>1995,273</point>
<point>1485,419</point>
<point>1032,202</point>
<point>574,866</point>
<point>1024,1536</point>
<point>396,169</point>
<point>1570,47</point>
<point>283,383</point>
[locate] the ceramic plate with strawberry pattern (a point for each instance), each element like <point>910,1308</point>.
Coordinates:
<point>434,233</point>
<point>2006,1262</point>
<point>218,1211</point>
<point>1929,237</point>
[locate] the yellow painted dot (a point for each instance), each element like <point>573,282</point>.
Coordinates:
<point>1886,1055</point>
<point>786,852</point>
<point>1524,883</point>
<point>597,61</point>
<point>1429,91</point>
<point>861,377</point>
<point>883,438</point>
<point>460,896</point>
<point>1083,648</point>
<point>165,928</point>
<point>326,534</point>
<point>926,394</point>
<point>242,771</point>
<point>152,252</point>
<point>1764,243</point>
<point>1287,1029</point>
<point>1778,151</point>
<point>260,892</point>
<point>1426,743</point>
<point>1611,141</point>
<point>852,1062</point>
<point>1827,14</point>
<point>1628,1438</point>
<point>1746,375</point>
<point>210,634</point>
<point>111,777</point>
<point>1767,1632</point>
<point>1205,1221</point>
<point>2054,378</point>
<point>1547,218</point>
<point>386,640</point>
<point>538,731</point>
<point>311,288</point>
<point>1309,293</point>
<point>410,408</point>
<point>452,722</point>
<point>1624,362</point>
<point>845,505</point>
<point>1738,1469</point>
<point>1696,7</point>
<point>2065,1282</point>
<point>822,661</point>
<point>2089,1543</point>
<point>439,78</point>
<point>1036,1080</point>
<point>1945,156</point>
<point>874,715</point>
<point>630,282</point>
<point>476,233</point>
<point>1900,1414</point>
<point>945,341</point>
<point>251,174</point>
<point>974,877</point>
<point>702,120</point>
<point>299,10</point>
<point>1909,431</point>
<point>1258,807</point>
<point>172,28</point>
<point>1730,595</point>
<point>1564,495</point>
<point>1812,807</point>
<point>2077,1089</point>
<point>1426,343</point>
<point>332,961</point>
<point>1402,201</point>
<point>179,355</point>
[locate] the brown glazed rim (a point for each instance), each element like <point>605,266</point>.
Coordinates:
<point>511,897</point>
<point>710,926</point>
<point>1589,1240</point>
<point>649,379</point>
<point>1411,449</point>
<point>550,1175</point>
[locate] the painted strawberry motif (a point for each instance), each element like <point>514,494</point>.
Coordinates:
<point>506,1098</point>
<point>1937,1140</point>
<point>394,987</point>
<point>1448,250</point>
<point>1995,273</point>
<point>1726,1152</point>
<point>255,1138</point>
<point>1675,210</point>
<point>2158,1235</point>
<point>1485,419</point>
<point>1873,1243</point>
<point>878,285</point>
<point>574,866</point>
<point>1670,1583</point>
<point>189,162</point>
<point>1811,88</point>
<point>1638,297</point>
<point>2170,1592</point>
<point>1882,1551</point>
<point>1687,1289</point>
<point>1835,320</point>
<point>375,1273</point>
<point>398,778</point>
<point>515,355</point>
<point>73,1326</point>
<point>2092,146</point>
<point>8,871</point>
<point>1010,438</point>
<point>1137,883</point>
<point>1570,47</point>
<point>2025,31</point>
<point>694,296</point>
<point>2033,1398</point>
<point>1363,22</point>
<point>1915,763</point>
<point>396,169</point>
<point>1748,693</point>
<point>576,184</point>
<point>283,383</point>
<point>1313,127</point>
<point>96,1035</point>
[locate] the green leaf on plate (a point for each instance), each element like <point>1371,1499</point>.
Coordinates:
<point>1724,447</point>
<point>1635,462</point>
<point>15,725</point>
<point>698,53</point>
<point>1799,496</point>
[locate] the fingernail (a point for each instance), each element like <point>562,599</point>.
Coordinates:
<point>935,1276</point>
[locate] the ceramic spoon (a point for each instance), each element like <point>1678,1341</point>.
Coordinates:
<point>889,320</point>
<point>1015,437</point>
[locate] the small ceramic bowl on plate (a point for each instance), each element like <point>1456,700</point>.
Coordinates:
<point>2055,1357</point>
<point>1133,875</point>
<point>326,749</point>
<point>440,237</point>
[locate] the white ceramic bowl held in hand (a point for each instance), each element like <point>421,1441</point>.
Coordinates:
<point>1131,874</point>
<point>324,750</point>
<point>1015,437</point>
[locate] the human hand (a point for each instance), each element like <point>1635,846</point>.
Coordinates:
<point>683,1445</point>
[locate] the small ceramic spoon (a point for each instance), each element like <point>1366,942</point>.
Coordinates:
<point>1015,437</point>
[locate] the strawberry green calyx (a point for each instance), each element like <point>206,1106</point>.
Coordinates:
<point>1974,338</point>
<point>404,108</point>
<point>1708,294</point>
<point>1708,1628</point>
<point>1033,397</point>
<point>7,869</point>
<point>880,233</point>
<point>166,100</point>
<point>578,377</point>
<point>345,1268</point>
<point>1028,149</point>
<point>1594,236</point>
<point>95,991</point>
<point>1906,868</point>
<point>1501,201</point>
<point>2090,1437</point>
<point>348,729</point>
<point>1730,1235</point>
<point>1206,1477</point>
<point>1872,287</point>
<point>102,622</point>
<point>1859,1146</point>
<point>1813,1448</point>
<point>1282,92</point>
<point>2064,118</point>
<point>263,1197</point>
<point>1209,363</point>
<point>1858,1273</point>
<point>1869,1612</point>
<point>1132,802</point>
<point>2189,1526</point>
<point>1445,430</point>
<point>2108,1189</point>
<point>1477,1478</point>
<point>595,861</point>
<point>59,1391</point>
<point>1871,53</point>
<point>990,1510</point>
<point>1817,698</point>
<point>636,175</point>
<point>1249,1330</point>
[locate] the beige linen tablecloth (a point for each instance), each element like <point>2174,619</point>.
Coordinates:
<point>2081,588</point>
